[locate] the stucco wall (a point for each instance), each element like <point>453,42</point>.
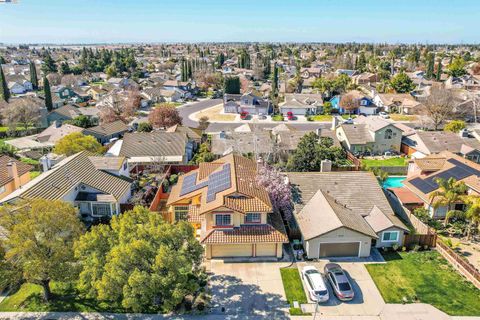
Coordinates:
<point>380,243</point>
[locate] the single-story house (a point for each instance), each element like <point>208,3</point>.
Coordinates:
<point>13,175</point>
<point>343,214</point>
<point>104,133</point>
<point>301,104</point>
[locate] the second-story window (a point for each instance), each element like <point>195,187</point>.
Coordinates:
<point>388,134</point>
<point>253,217</point>
<point>223,220</point>
<point>181,213</point>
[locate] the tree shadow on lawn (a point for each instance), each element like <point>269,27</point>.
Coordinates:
<point>238,300</point>
<point>391,256</point>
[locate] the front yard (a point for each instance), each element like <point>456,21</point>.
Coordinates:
<point>425,277</point>
<point>292,283</point>
<point>65,298</point>
<point>215,114</point>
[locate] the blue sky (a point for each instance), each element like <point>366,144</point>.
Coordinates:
<point>93,21</point>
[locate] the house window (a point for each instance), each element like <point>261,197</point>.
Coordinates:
<point>2,189</point>
<point>181,213</point>
<point>253,217</point>
<point>101,209</point>
<point>223,219</point>
<point>388,134</point>
<point>390,236</point>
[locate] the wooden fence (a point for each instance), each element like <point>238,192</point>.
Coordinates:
<point>464,267</point>
<point>357,164</point>
<point>422,240</point>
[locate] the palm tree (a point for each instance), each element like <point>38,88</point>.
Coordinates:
<point>449,193</point>
<point>473,213</point>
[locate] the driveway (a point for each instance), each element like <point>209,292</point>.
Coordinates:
<point>367,302</point>
<point>247,289</point>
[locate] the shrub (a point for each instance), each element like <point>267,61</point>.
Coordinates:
<point>395,247</point>
<point>416,248</point>
<point>404,248</point>
<point>173,178</point>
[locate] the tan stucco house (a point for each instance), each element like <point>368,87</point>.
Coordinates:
<point>232,214</point>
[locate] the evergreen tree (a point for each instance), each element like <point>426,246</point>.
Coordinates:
<point>275,80</point>
<point>48,94</point>
<point>2,60</point>
<point>430,65</point>
<point>49,65</point>
<point>439,70</point>
<point>33,75</point>
<point>5,93</point>
<point>232,85</point>
<point>65,68</point>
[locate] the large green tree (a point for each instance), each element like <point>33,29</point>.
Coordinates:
<point>449,192</point>
<point>140,261</point>
<point>48,94</point>
<point>39,243</point>
<point>457,67</point>
<point>4,91</point>
<point>402,83</point>
<point>310,152</point>
<point>430,65</point>
<point>76,142</point>
<point>49,65</point>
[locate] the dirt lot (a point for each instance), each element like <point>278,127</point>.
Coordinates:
<point>215,114</point>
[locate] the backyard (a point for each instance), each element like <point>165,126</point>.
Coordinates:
<point>293,289</point>
<point>388,162</point>
<point>425,277</point>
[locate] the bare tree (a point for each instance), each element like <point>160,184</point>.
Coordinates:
<point>121,107</point>
<point>54,79</point>
<point>349,103</point>
<point>24,111</point>
<point>439,106</point>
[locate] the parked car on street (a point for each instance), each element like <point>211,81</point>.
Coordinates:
<point>290,115</point>
<point>261,116</point>
<point>384,115</point>
<point>317,289</point>
<point>244,115</point>
<point>339,282</point>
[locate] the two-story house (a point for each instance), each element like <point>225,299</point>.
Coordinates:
<point>248,102</point>
<point>369,135</point>
<point>232,212</point>
<point>364,104</point>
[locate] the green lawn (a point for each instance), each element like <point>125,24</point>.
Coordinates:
<point>321,117</point>
<point>392,162</point>
<point>292,284</point>
<point>66,298</point>
<point>426,277</point>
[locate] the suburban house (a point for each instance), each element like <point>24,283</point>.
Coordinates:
<point>286,142</point>
<point>369,135</point>
<point>311,72</point>
<point>249,103</point>
<point>301,104</point>
<point>154,148</point>
<point>76,179</point>
<point>343,214</point>
<point>18,84</point>
<point>423,143</point>
<point>97,93</point>
<point>64,93</point>
<point>104,133</point>
<point>402,103</point>
<point>423,172</point>
<point>231,212</point>
<point>44,140</point>
<point>259,143</point>
<point>364,78</point>
<point>364,104</point>
<point>13,175</point>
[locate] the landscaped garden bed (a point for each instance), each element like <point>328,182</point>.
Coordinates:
<point>292,283</point>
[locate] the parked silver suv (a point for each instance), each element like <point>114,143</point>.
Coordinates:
<point>339,282</point>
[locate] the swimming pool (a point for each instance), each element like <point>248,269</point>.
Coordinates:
<point>394,182</point>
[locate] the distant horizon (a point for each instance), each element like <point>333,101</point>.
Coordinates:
<point>92,22</point>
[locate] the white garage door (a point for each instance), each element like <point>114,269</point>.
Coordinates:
<point>339,249</point>
<point>231,250</point>
<point>266,250</point>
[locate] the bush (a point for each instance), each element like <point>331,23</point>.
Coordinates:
<point>144,127</point>
<point>173,178</point>
<point>277,117</point>
<point>395,247</point>
<point>416,248</point>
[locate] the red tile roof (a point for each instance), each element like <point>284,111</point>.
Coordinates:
<point>245,234</point>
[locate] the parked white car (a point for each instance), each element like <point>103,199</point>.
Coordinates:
<point>317,289</point>
<point>384,115</point>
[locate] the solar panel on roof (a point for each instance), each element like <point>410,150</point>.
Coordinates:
<point>423,185</point>
<point>217,182</point>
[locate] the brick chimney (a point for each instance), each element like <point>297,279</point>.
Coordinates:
<point>12,172</point>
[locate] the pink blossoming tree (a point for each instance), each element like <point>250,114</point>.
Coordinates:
<point>278,189</point>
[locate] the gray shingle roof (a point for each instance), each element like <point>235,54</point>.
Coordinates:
<point>108,128</point>
<point>67,174</point>
<point>358,190</point>
<point>153,144</point>
<point>357,133</point>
